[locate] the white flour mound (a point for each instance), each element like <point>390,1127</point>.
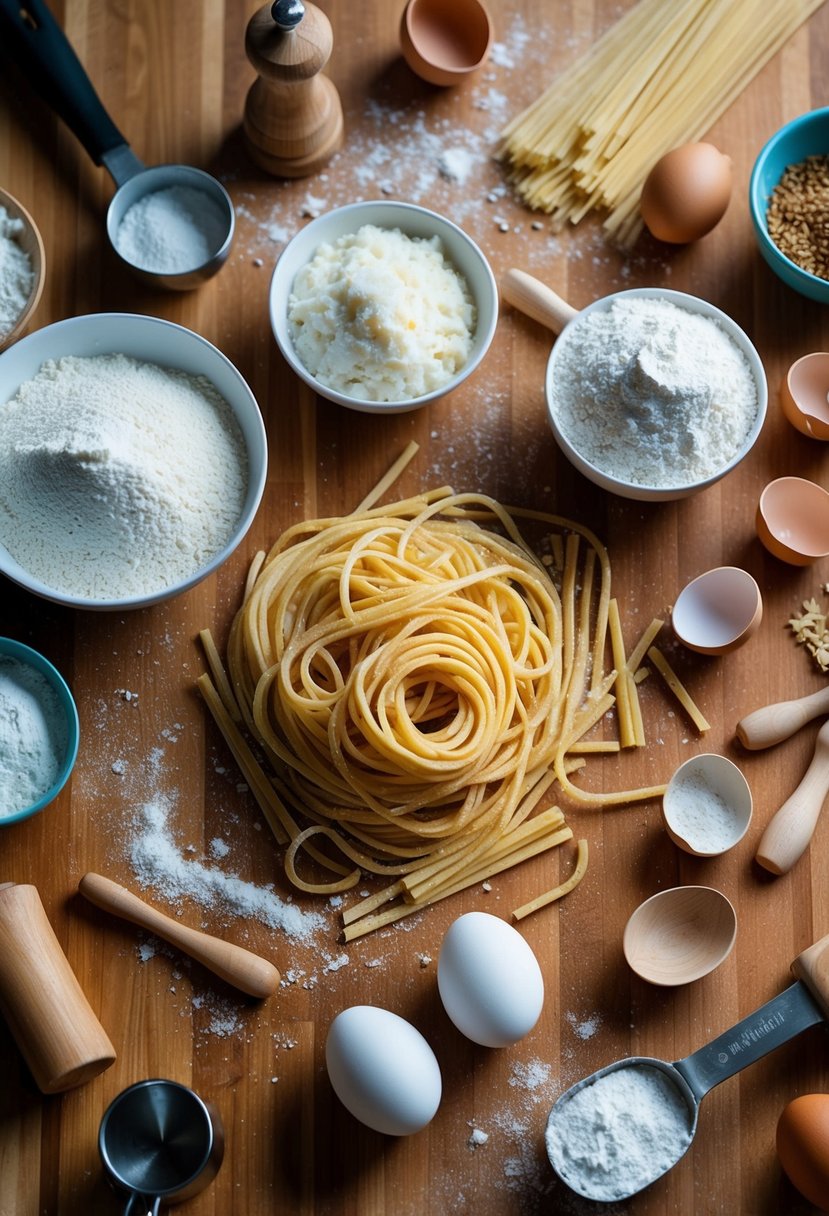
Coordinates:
<point>118,478</point>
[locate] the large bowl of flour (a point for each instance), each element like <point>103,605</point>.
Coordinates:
<point>133,458</point>
<point>655,394</point>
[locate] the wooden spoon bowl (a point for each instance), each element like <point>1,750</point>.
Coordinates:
<point>31,243</point>
<point>680,935</point>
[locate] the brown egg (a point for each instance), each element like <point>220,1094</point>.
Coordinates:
<point>686,193</point>
<point>803,1146</point>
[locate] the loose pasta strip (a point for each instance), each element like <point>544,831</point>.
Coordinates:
<point>678,689</point>
<point>563,888</point>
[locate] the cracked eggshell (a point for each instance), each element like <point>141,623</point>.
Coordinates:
<point>489,980</point>
<point>382,1070</point>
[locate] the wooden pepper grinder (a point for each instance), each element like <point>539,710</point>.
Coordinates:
<point>293,119</point>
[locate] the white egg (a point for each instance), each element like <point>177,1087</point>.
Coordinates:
<point>382,1070</point>
<point>489,980</point>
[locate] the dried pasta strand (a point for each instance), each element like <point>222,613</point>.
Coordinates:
<point>678,689</point>
<point>388,479</point>
<point>219,673</point>
<point>627,731</point>
<point>658,78</point>
<point>563,888</point>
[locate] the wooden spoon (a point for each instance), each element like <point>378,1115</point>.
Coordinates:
<point>774,723</point>
<point>679,935</point>
<point>789,831</point>
<point>245,970</point>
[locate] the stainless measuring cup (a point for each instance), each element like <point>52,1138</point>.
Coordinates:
<point>31,38</point>
<point>686,1082</point>
<point>161,1143</point>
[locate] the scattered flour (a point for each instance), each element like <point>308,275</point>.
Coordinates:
<point>158,862</point>
<point>584,1028</point>
<point>16,273</point>
<point>652,393</point>
<point>118,478</point>
<point>33,736</point>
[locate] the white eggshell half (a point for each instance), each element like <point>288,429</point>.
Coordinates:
<point>382,1070</point>
<point>489,980</point>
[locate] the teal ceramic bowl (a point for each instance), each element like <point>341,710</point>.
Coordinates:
<point>9,649</point>
<point>805,136</point>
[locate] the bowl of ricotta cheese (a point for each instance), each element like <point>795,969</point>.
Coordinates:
<point>383,306</point>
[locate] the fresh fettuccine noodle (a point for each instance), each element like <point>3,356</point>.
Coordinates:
<point>416,680</point>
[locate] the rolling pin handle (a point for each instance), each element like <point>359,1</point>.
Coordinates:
<point>536,300</point>
<point>774,723</point>
<point>788,833</point>
<point>812,967</point>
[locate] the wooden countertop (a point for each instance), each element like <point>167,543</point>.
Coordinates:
<point>174,78</point>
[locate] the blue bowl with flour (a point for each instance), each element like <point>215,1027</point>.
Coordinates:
<point>39,732</point>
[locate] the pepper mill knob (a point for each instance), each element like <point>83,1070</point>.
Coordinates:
<point>293,121</point>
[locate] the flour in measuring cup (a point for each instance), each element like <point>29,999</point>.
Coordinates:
<point>651,393</point>
<point>118,478</point>
<point>171,231</point>
<point>619,1133</point>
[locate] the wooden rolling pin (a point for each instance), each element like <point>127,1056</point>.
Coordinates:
<point>53,1024</point>
<point>245,970</point>
<point>788,833</point>
<point>774,723</point>
<point>536,300</point>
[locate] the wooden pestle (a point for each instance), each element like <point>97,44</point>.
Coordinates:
<point>245,970</point>
<point>788,833</point>
<point>53,1024</point>
<point>536,300</point>
<point>774,723</point>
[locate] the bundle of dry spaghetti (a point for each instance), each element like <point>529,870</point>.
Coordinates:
<point>418,683</point>
<point>658,78</point>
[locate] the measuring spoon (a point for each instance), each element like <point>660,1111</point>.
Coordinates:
<point>31,38</point>
<point>686,1082</point>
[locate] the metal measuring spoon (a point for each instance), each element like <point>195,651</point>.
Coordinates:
<point>31,38</point>
<point>803,1004</point>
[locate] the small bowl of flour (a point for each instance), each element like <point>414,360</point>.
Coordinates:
<point>22,268</point>
<point>133,458</point>
<point>654,394</point>
<point>38,732</point>
<point>383,306</point>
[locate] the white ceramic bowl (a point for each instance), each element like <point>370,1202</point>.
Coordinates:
<point>415,222</point>
<point>168,345</point>
<point>643,493</point>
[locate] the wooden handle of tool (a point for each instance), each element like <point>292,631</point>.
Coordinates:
<point>536,300</point>
<point>59,1036</point>
<point>245,970</point>
<point>774,723</point>
<point>812,967</point>
<point>788,834</point>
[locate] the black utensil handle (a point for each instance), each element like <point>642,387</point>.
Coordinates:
<point>31,38</point>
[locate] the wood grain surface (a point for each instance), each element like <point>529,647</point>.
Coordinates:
<point>174,78</point>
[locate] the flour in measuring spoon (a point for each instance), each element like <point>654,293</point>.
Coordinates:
<point>652,393</point>
<point>618,1133</point>
<point>118,478</point>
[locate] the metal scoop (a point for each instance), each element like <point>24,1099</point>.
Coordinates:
<point>160,1143</point>
<point>803,1004</point>
<point>31,38</point>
